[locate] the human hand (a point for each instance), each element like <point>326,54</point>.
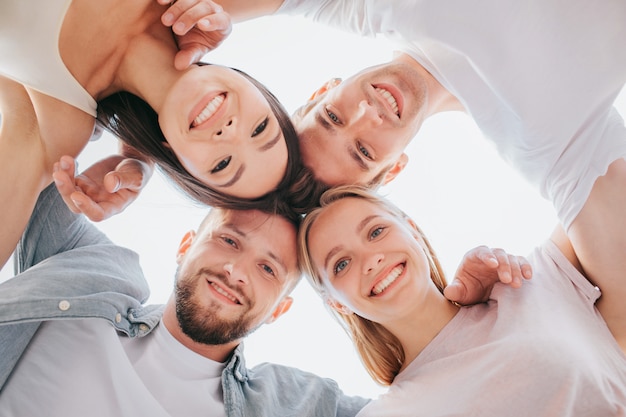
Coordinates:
<point>105,188</point>
<point>199,27</point>
<point>480,269</point>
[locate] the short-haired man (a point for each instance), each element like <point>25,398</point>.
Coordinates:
<point>76,340</point>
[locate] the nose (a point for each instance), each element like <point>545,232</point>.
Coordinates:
<point>372,262</point>
<point>236,272</point>
<point>367,114</point>
<point>227,130</point>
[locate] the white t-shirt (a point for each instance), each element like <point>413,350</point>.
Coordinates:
<point>29,50</point>
<point>84,368</point>
<point>539,77</point>
<point>541,350</point>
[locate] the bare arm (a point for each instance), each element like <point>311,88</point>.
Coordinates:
<point>22,162</point>
<point>598,237</point>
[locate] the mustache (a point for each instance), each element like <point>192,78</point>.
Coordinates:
<point>213,276</point>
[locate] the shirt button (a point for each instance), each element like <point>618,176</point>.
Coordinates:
<point>64,305</point>
<point>144,327</point>
<point>118,317</point>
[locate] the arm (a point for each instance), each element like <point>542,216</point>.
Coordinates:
<point>598,237</point>
<point>480,269</point>
<point>21,158</point>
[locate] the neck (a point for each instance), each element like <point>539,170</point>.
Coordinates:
<point>418,328</point>
<point>439,98</point>
<point>218,353</point>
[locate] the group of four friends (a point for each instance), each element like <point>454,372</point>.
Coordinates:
<point>539,79</point>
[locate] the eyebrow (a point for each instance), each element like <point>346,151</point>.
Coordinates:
<point>271,143</point>
<point>319,118</point>
<point>359,228</point>
<point>235,177</point>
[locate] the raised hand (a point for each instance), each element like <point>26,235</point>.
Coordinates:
<point>105,188</point>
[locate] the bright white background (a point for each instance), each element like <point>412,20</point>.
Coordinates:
<point>455,187</point>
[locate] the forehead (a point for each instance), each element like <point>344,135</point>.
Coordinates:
<point>265,232</point>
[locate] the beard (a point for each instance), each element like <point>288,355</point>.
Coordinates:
<point>201,323</point>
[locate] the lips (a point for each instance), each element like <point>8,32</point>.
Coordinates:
<point>208,110</point>
<point>387,280</point>
<point>390,99</point>
<point>224,292</point>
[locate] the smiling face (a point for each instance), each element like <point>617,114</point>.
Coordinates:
<point>234,274</point>
<point>223,131</point>
<point>374,263</point>
<point>362,126</point>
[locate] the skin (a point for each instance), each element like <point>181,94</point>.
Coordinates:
<point>137,55</point>
<point>371,245</point>
<point>596,233</point>
<point>236,255</point>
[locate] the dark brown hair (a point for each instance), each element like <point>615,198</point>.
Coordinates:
<point>133,120</point>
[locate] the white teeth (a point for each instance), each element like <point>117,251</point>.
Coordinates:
<point>209,110</point>
<point>390,99</point>
<point>382,285</point>
<point>224,293</point>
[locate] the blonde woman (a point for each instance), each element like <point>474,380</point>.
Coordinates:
<point>541,350</point>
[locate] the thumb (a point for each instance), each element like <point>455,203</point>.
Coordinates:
<point>191,54</point>
<point>455,291</point>
<point>130,174</point>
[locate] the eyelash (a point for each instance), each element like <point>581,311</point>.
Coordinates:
<point>260,128</point>
<point>268,269</point>
<point>333,117</point>
<point>378,229</point>
<point>343,261</point>
<point>363,151</point>
<point>229,241</point>
<point>221,165</point>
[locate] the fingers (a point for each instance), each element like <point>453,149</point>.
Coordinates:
<point>190,55</point>
<point>206,15</point>
<point>130,174</point>
<point>63,176</point>
<point>456,291</point>
<point>512,269</point>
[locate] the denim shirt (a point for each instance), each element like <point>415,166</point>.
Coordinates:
<point>68,269</point>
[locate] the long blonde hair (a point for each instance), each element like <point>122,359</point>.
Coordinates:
<point>380,351</point>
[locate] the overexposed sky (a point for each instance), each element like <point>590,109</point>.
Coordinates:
<point>455,187</point>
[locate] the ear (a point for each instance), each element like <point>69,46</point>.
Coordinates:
<point>396,168</point>
<point>334,82</point>
<point>338,307</point>
<point>281,308</point>
<point>185,243</point>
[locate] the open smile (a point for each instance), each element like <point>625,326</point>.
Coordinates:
<point>208,109</point>
<point>390,98</point>
<point>224,292</point>
<point>387,280</point>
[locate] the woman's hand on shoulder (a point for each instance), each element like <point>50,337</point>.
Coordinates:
<point>480,269</point>
<point>199,27</point>
<point>105,188</point>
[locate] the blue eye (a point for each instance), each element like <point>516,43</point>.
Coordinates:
<point>260,128</point>
<point>376,232</point>
<point>364,152</point>
<point>268,269</point>
<point>229,241</point>
<point>333,117</point>
<point>340,266</point>
<point>221,165</point>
